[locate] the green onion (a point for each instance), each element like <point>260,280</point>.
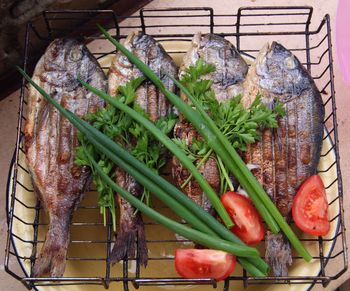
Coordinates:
<point>218,142</point>
<point>192,234</point>
<point>257,267</point>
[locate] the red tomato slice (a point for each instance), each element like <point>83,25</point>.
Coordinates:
<point>248,224</point>
<point>202,263</point>
<point>310,207</point>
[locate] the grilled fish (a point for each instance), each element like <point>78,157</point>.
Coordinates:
<point>50,140</point>
<point>227,83</point>
<point>131,228</point>
<point>286,156</point>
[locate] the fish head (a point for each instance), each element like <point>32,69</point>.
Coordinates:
<point>142,41</point>
<point>65,60</point>
<point>230,66</point>
<point>280,72</point>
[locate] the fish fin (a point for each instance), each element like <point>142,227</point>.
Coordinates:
<point>142,245</point>
<point>52,257</point>
<point>126,240</point>
<point>278,254</point>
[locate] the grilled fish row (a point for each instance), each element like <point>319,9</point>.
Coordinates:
<point>283,159</point>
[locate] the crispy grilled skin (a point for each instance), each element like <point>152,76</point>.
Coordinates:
<point>50,140</point>
<point>288,155</point>
<point>227,82</point>
<point>131,228</point>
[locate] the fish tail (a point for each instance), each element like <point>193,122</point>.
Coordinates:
<point>127,239</point>
<point>52,257</point>
<point>278,253</point>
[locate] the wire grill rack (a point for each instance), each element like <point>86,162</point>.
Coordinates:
<point>260,24</point>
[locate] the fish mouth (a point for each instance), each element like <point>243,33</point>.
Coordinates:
<point>260,62</point>
<point>263,53</point>
<point>266,49</point>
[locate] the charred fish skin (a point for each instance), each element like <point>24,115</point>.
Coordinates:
<point>288,155</point>
<point>149,97</point>
<point>227,82</point>
<point>50,140</point>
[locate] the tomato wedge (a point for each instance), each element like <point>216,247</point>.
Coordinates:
<point>202,263</point>
<point>248,223</point>
<point>310,207</point>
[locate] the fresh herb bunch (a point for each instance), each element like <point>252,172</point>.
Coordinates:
<point>241,126</point>
<point>120,127</point>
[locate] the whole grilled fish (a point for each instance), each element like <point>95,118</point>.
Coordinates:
<point>227,83</point>
<point>286,156</point>
<point>131,228</point>
<point>50,140</point>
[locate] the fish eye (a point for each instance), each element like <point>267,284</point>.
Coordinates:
<point>225,52</point>
<point>289,62</point>
<point>75,55</point>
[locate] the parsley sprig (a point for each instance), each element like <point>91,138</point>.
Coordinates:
<point>241,126</point>
<point>120,127</point>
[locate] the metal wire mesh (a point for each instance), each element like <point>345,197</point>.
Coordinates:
<point>312,47</point>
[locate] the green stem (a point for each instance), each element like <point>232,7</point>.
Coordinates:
<point>202,161</point>
<point>224,172</point>
<point>223,148</point>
